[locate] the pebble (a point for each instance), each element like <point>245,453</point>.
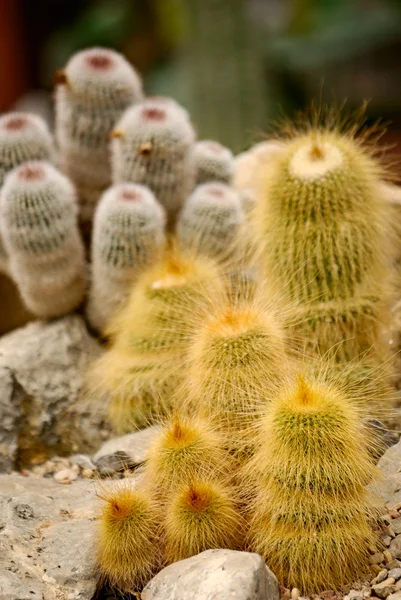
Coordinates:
<point>395,564</point>
<point>377,558</point>
<point>295,594</point>
<point>380,577</point>
<point>387,540</point>
<point>396,525</point>
<point>83,461</point>
<point>394,514</point>
<point>385,588</point>
<point>395,573</point>
<point>388,557</point>
<point>65,476</point>
<point>395,596</point>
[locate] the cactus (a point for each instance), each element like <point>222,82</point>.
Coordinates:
<point>149,338</point>
<point>128,236</point>
<point>39,227</point>
<point>128,537</point>
<point>93,90</point>
<point>23,137</point>
<point>186,448</point>
<point>237,360</point>
<point>311,511</point>
<point>213,162</point>
<point>152,145</point>
<point>200,516</point>
<point>322,235</point>
<point>210,221</point>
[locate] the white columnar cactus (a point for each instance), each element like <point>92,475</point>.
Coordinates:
<point>128,236</point>
<point>23,137</point>
<point>38,220</point>
<point>152,145</point>
<point>210,220</point>
<point>93,90</point>
<point>213,162</point>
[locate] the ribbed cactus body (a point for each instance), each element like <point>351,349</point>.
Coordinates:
<point>213,162</point>
<point>150,337</point>
<point>23,137</point>
<point>128,236</point>
<point>128,538</point>
<point>200,516</point>
<point>310,471</point>
<point>322,232</point>
<point>94,89</point>
<point>152,145</point>
<point>211,220</point>
<point>39,227</point>
<point>237,362</point>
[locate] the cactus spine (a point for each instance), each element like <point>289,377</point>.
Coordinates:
<point>211,220</point>
<point>213,162</point>
<point>152,145</point>
<point>93,90</point>
<point>150,336</point>
<point>23,137</point>
<point>39,227</point>
<point>323,227</point>
<point>128,538</point>
<point>128,236</point>
<point>311,511</point>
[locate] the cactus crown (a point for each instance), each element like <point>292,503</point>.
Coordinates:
<point>213,162</point>
<point>100,77</point>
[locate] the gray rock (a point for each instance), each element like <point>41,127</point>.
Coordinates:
<point>113,463</point>
<point>41,376</point>
<point>390,466</point>
<point>395,573</point>
<point>222,574</point>
<point>135,445</point>
<point>46,541</point>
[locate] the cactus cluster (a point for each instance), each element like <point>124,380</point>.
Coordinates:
<point>256,449</point>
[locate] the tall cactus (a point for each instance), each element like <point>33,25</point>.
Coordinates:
<point>311,511</point>
<point>323,233</point>
<point>152,145</point>
<point>39,226</point>
<point>23,137</point>
<point>128,236</point>
<point>93,90</point>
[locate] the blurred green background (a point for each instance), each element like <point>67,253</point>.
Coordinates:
<point>237,65</point>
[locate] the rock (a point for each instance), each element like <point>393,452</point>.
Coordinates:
<point>377,558</point>
<point>222,574</point>
<point>395,547</point>
<point>395,573</point>
<point>135,445</point>
<point>396,525</point>
<point>46,540</point>
<point>380,577</point>
<point>113,463</point>
<point>396,596</point>
<point>385,588</point>
<point>41,375</point>
<point>82,461</point>
<point>65,476</point>
<point>389,464</point>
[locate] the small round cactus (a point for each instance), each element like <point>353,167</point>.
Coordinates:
<point>128,236</point>
<point>152,145</point>
<point>201,515</point>
<point>211,220</point>
<point>23,137</point>
<point>186,447</point>
<point>38,212</point>
<point>128,537</point>
<point>213,162</point>
<point>93,90</point>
